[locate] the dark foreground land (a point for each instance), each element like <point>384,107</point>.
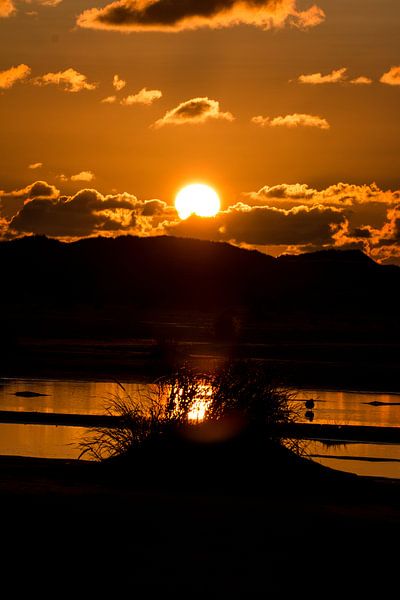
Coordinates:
<point>76,527</point>
<point>130,307</point>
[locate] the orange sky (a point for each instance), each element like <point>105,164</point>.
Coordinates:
<point>252,97</point>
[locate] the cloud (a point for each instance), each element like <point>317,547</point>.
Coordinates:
<point>370,214</point>
<point>10,76</point>
<point>6,8</point>
<point>391,77</point>
<point>196,110</point>
<point>118,83</point>
<point>49,2</point>
<point>109,100</point>
<point>169,16</point>
<point>80,215</point>
<point>294,120</point>
<point>88,213</point>
<point>361,81</point>
<point>12,202</point>
<point>145,96</point>
<point>317,78</point>
<point>365,204</point>
<point>36,165</point>
<point>264,225</point>
<point>72,80</point>
<point>382,244</point>
<point>83,176</point>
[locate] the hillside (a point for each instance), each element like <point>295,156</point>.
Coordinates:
<point>190,274</point>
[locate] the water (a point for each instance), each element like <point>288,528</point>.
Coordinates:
<point>92,397</point>
<point>76,397</point>
<point>382,460</point>
<point>352,408</point>
<point>40,441</point>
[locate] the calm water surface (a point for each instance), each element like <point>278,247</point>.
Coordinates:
<point>92,397</point>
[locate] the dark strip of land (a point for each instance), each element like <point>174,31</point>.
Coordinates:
<point>346,433</point>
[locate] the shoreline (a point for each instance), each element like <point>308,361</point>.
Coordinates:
<point>317,431</point>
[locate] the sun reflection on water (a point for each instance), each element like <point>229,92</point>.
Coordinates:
<point>198,410</point>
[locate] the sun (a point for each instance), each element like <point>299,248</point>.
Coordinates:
<point>198,199</point>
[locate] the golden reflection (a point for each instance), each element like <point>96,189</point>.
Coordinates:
<point>201,403</point>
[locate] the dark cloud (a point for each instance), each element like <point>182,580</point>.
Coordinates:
<point>84,214</point>
<point>382,244</point>
<point>153,208</point>
<point>362,232</point>
<point>265,225</point>
<point>87,213</point>
<point>171,15</point>
<point>12,202</point>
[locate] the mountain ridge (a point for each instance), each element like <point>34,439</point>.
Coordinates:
<point>188,273</point>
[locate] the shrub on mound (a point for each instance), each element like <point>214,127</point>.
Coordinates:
<point>224,421</point>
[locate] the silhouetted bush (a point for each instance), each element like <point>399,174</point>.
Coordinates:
<point>238,403</point>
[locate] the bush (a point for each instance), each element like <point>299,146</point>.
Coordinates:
<point>239,402</point>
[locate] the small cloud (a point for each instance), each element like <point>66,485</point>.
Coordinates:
<point>294,120</point>
<point>196,110</point>
<point>83,176</point>
<point>6,8</point>
<point>10,76</point>
<point>167,16</point>
<point>49,2</point>
<point>145,96</point>
<point>317,78</point>
<point>391,77</point>
<point>109,100</point>
<point>36,165</point>
<point>72,80</point>
<point>361,81</point>
<point>118,83</point>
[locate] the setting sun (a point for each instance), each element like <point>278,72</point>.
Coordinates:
<point>198,199</point>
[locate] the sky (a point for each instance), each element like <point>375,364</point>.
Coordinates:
<point>288,108</point>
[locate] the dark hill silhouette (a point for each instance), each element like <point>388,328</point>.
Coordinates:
<point>168,272</point>
<point>128,304</point>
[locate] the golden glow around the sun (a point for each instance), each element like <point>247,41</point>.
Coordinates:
<point>198,199</point>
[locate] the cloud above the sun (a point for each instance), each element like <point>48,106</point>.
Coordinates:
<point>194,111</point>
<point>70,80</point>
<point>292,121</point>
<point>391,77</point>
<point>10,76</point>
<point>118,83</point>
<point>335,76</point>
<point>318,78</point>
<point>6,8</point>
<point>144,96</point>
<point>167,16</point>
